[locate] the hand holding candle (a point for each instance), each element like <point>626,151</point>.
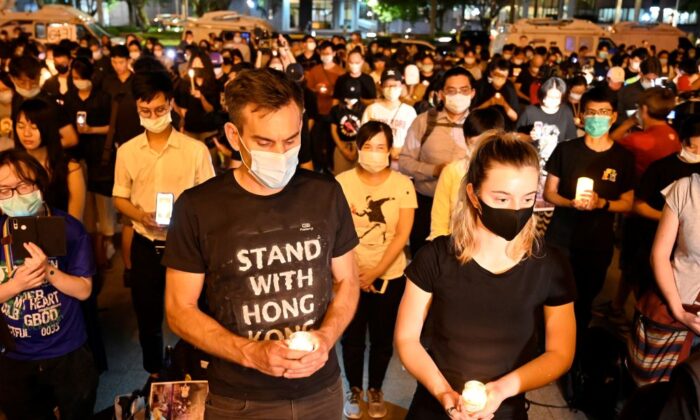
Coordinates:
<point>301,341</point>
<point>190,73</point>
<point>583,187</point>
<point>474,396</point>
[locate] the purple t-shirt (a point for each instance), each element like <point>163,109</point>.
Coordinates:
<point>44,322</point>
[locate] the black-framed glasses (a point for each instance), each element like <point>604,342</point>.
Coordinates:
<point>21,189</point>
<point>593,112</point>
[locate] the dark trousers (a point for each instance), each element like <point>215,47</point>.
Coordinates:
<point>31,389</point>
<point>326,404</point>
<point>376,312</point>
<point>590,266</point>
<point>147,294</point>
<point>421,224</point>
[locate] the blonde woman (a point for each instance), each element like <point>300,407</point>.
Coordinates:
<point>487,288</point>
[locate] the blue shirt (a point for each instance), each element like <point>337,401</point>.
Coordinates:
<point>45,322</point>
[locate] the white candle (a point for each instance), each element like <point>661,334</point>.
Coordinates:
<point>582,185</point>
<point>190,73</point>
<point>301,341</point>
<point>474,396</point>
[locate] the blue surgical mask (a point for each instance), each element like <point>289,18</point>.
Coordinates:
<point>22,205</point>
<point>273,170</point>
<point>596,125</point>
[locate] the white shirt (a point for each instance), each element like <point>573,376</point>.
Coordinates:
<point>399,119</point>
<point>140,172</point>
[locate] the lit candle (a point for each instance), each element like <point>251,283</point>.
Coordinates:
<point>582,185</point>
<point>190,73</point>
<point>474,396</point>
<point>301,341</point>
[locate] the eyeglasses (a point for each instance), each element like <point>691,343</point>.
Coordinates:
<point>461,91</point>
<point>593,112</point>
<point>159,112</point>
<point>21,189</point>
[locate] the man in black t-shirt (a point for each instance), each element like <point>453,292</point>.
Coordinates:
<point>274,245</point>
<point>582,224</point>
<point>355,78</point>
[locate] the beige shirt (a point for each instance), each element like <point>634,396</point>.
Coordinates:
<point>375,213</point>
<point>141,172</point>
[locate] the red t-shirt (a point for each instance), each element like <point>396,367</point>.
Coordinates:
<point>652,144</point>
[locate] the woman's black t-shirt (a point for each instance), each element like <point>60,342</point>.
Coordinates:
<point>486,325</point>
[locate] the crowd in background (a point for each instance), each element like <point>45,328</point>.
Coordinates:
<point>398,127</point>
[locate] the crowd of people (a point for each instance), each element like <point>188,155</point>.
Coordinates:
<point>463,209</point>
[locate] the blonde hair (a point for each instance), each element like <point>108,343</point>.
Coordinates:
<point>506,149</point>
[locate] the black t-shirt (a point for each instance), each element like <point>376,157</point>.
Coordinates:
<point>560,124</point>
<point>364,83</point>
<point>525,79</point>
<point>308,63</point>
<point>486,91</point>
<point>197,120</point>
<point>128,124</point>
<point>600,68</point>
<point>52,89</point>
<point>347,120</point>
<point>659,175</point>
<point>486,325</point>
<point>267,265</point>
<point>612,172</point>
<point>98,111</point>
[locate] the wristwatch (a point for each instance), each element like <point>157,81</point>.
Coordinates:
<point>606,206</point>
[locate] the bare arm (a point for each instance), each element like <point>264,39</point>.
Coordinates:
<point>621,131</point>
<point>664,242</point>
<point>69,137</point>
<point>645,210</point>
<point>76,191</point>
<point>551,192</point>
<point>560,344</point>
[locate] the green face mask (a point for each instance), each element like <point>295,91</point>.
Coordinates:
<point>596,125</point>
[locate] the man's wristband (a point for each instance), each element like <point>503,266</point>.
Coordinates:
<point>606,206</point>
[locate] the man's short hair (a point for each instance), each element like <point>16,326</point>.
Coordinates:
<point>324,45</point>
<point>25,66</point>
<point>264,89</point>
<point>148,84</point>
<point>659,102</point>
<point>60,51</point>
<point>651,65</point>
<point>598,94</point>
<point>119,51</point>
<point>458,71</point>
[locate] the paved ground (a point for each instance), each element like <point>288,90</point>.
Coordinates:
<point>125,373</point>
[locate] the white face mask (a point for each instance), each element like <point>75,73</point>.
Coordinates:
<point>5,97</point>
<point>469,61</point>
<point>457,103</point>
<point>392,93</point>
<point>96,55</point>
<point>28,93</point>
<point>355,67</point>
<point>311,46</point>
<point>373,162</point>
<point>218,71</point>
<point>551,105</point>
<point>647,84</point>
<point>134,55</point>
<point>273,170</point>
<point>634,66</point>
<point>428,68</point>
<point>82,84</point>
<point>575,97</point>
<point>327,59</point>
<point>350,102</point>
<point>277,67</point>
<point>688,156</point>
<point>156,125</point>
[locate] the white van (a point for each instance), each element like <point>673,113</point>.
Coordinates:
<point>568,35</point>
<point>227,20</point>
<point>662,35</point>
<point>52,23</point>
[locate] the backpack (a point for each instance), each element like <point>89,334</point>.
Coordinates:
<point>432,123</point>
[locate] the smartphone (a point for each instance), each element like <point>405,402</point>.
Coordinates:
<point>164,208</point>
<point>631,112</point>
<point>81,117</point>
<point>46,232</point>
<point>661,81</point>
<point>671,115</point>
<point>380,285</point>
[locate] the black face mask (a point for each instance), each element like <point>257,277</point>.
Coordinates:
<point>505,223</point>
<point>61,68</point>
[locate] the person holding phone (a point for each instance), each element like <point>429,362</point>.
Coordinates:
<point>382,203</point>
<point>488,291</point>
<point>40,303</point>
<point>161,160</point>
